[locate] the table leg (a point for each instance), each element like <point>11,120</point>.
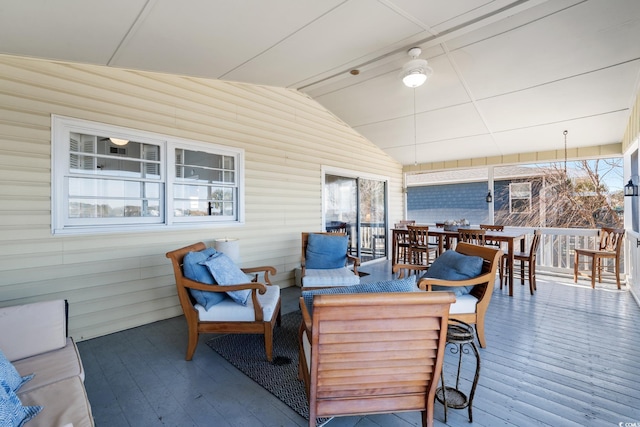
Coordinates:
<point>510,264</point>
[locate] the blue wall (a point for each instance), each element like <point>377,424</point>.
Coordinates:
<point>438,203</point>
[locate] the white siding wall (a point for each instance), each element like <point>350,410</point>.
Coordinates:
<point>118,281</point>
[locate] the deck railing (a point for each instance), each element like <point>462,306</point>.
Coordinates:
<point>557,248</point>
<point>555,254</point>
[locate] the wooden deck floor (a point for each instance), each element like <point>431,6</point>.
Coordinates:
<point>568,356</point>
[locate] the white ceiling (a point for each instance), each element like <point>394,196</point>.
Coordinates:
<point>508,76</point>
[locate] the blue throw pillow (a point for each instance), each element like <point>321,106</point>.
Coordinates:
<point>326,251</point>
<point>452,265</point>
<point>12,413</point>
<point>9,374</point>
<point>226,272</point>
<point>408,284</point>
<point>194,270</point>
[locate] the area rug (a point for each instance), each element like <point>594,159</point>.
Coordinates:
<point>279,377</point>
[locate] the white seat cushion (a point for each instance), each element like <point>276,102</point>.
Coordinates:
<point>329,277</point>
<point>464,304</point>
<point>230,311</point>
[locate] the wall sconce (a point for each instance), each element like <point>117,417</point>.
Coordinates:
<point>489,198</point>
<point>631,189</point>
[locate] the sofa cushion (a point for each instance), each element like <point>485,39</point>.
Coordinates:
<point>65,403</point>
<point>12,412</point>
<point>9,374</point>
<point>32,328</point>
<point>452,265</point>
<point>408,284</point>
<point>326,251</point>
<point>226,272</point>
<point>51,366</point>
<point>194,270</point>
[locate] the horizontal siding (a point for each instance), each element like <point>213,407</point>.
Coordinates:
<point>632,133</point>
<point>118,281</point>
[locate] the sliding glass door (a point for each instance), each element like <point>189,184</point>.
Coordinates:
<point>358,205</point>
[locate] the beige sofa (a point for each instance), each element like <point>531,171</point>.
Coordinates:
<point>34,338</point>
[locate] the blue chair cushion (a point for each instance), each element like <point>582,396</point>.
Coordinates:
<point>194,270</point>
<point>452,265</point>
<point>408,284</point>
<point>9,374</point>
<point>12,413</point>
<point>226,272</point>
<point>326,251</point>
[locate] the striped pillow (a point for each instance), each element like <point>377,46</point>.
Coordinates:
<point>408,284</point>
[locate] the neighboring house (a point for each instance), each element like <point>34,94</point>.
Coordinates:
<point>456,194</point>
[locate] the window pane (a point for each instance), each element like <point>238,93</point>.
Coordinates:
<point>204,167</point>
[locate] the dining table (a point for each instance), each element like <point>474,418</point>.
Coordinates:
<point>447,238</point>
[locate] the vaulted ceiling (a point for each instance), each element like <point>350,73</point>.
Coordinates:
<point>508,76</point>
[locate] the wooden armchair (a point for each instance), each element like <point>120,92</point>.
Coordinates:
<point>259,316</point>
<point>315,275</point>
<point>380,353</point>
<point>470,308</point>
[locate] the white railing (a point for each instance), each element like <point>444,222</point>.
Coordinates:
<point>556,252</point>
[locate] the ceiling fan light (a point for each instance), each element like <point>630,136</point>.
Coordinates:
<point>118,141</point>
<point>416,71</point>
<point>414,78</point>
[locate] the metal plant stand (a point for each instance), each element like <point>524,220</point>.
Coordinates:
<point>460,340</point>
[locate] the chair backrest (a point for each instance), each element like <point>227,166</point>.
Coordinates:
<point>186,300</point>
<point>377,353</point>
<point>418,235</point>
<point>491,227</point>
<point>611,239</point>
<point>475,236</point>
<point>337,227</point>
<point>535,243</point>
<point>403,223</point>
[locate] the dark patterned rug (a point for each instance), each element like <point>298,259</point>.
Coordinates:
<point>280,377</point>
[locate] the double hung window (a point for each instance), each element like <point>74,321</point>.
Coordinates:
<point>106,178</point>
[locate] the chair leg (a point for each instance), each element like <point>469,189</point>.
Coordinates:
<point>594,272</point>
<point>268,341</point>
<point>193,342</point>
<point>532,279</point>
<point>575,268</point>
<point>617,266</point>
<point>480,333</point>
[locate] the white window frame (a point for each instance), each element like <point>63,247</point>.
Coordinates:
<point>61,129</point>
<point>511,197</point>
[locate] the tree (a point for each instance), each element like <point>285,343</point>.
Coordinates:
<point>578,197</point>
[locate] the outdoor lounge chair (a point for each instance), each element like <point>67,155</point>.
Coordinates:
<point>258,316</point>
<point>373,353</point>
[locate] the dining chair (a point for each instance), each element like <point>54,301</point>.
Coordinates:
<point>400,245</point>
<point>475,236</point>
<point>525,262</point>
<point>609,247</point>
<point>492,227</point>
<point>419,249</point>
